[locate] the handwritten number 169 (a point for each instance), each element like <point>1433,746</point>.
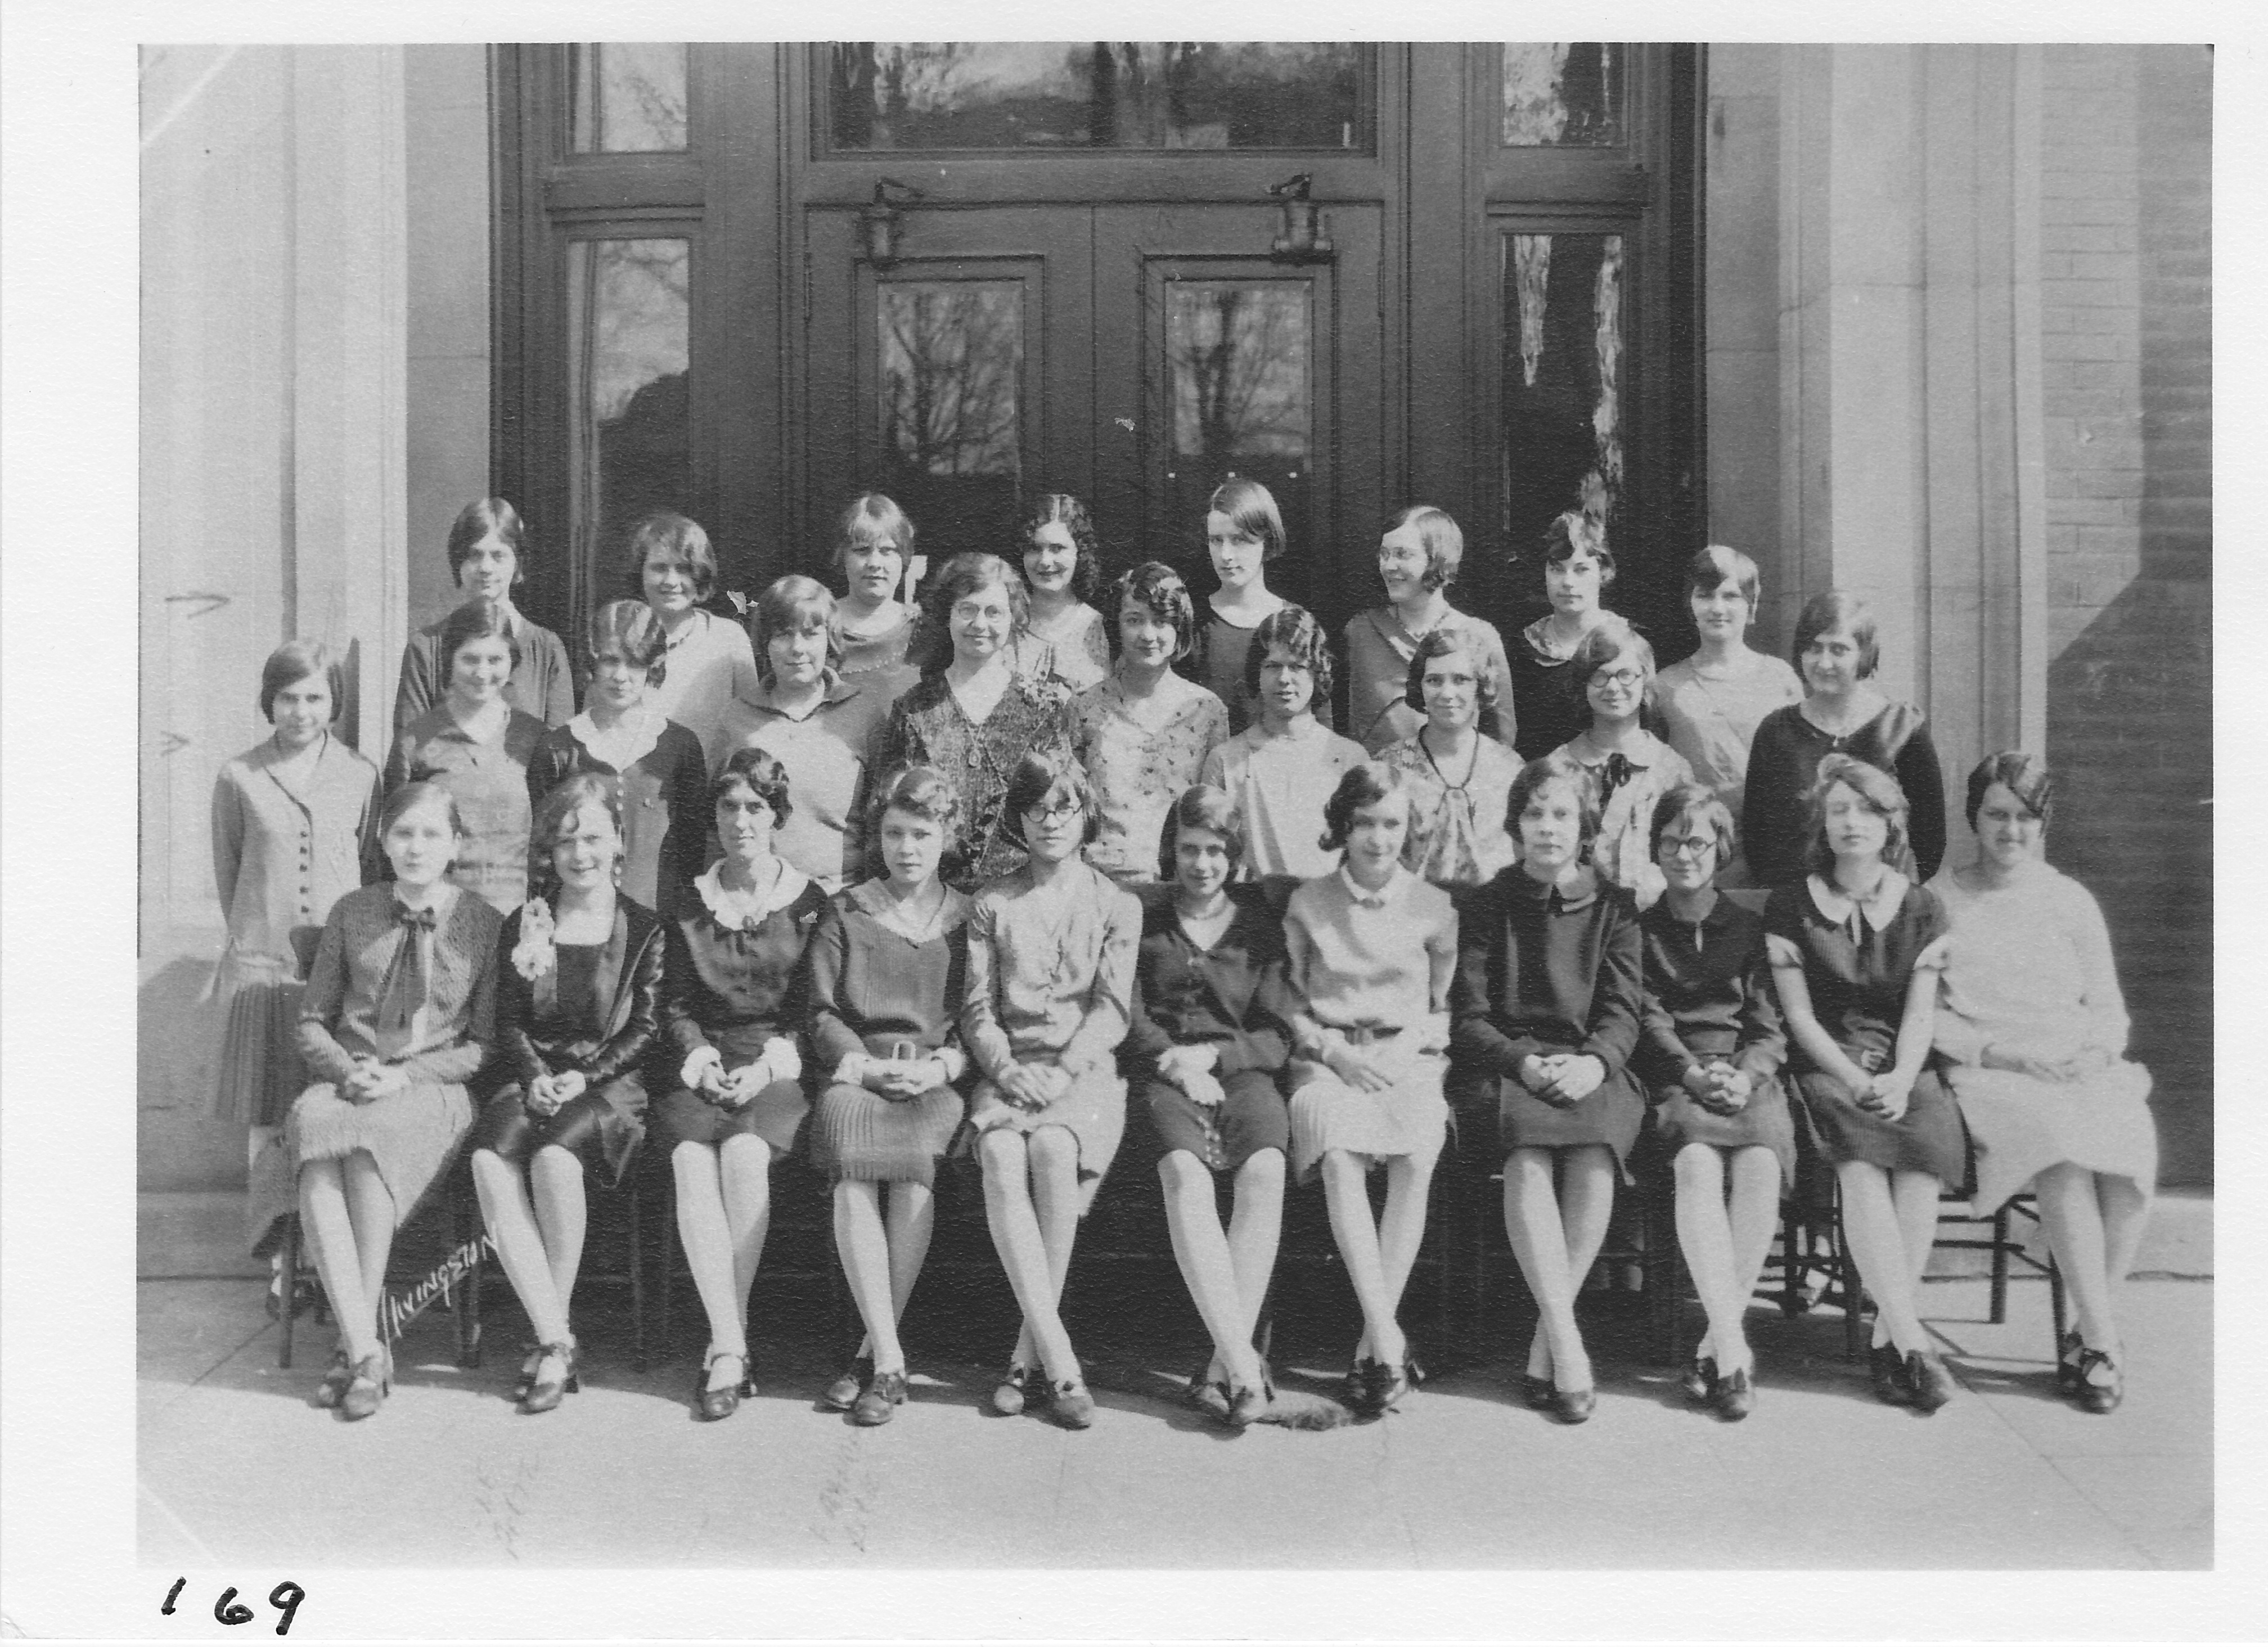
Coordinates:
<point>286,1596</point>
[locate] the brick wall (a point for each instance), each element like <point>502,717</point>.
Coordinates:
<point>2126,363</point>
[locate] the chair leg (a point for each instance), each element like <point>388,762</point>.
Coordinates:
<point>1999,1311</point>
<point>669,1247</point>
<point>1851,1285</point>
<point>290,1284</point>
<point>2056,1303</point>
<point>637,1278</point>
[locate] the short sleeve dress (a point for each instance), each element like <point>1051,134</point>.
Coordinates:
<point>880,649</point>
<point>877,988</point>
<point>663,787</point>
<point>1458,830</point>
<point>1279,785</point>
<point>1857,962</point>
<point>1710,717</point>
<point>1709,997</point>
<point>1137,770</point>
<point>1631,782</point>
<point>488,778</point>
<point>1379,648</point>
<point>1784,760</point>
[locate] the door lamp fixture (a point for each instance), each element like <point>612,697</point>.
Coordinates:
<point>881,220</point>
<point>1306,236</point>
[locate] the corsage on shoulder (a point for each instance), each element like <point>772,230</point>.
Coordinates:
<point>537,951</point>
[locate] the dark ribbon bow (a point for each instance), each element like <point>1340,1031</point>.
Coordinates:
<point>402,991</point>
<point>1616,772</point>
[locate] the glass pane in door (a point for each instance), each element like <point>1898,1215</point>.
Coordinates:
<point>1563,380</point>
<point>950,355</point>
<point>1563,94</point>
<point>1238,397</point>
<point>626,98</point>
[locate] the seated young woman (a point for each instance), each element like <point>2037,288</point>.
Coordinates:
<point>888,974</point>
<point>1212,1028</point>
<point>1855,956</point>
<point>577,998</point>
<point>1709,1048</point>
<point>1371,950</point>
<point>1050,981</point>
<point>395,1020</point>
<point>1460,778</point>
<point>1548,996</point>
<point>732,1016</point>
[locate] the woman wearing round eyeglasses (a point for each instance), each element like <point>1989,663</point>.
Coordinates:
<point>1634,769</point>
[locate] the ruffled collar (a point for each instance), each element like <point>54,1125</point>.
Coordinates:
<point>1877,912</point>
<point>745,911</point>
<point>632,738</point>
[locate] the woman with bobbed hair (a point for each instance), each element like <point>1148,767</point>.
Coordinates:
<point>986,699</point>
<point>1281,769</point>
<point>1843,712</point>
<point>294,829</point>
<point>1548,996</point>
<point>1577,570</point>
<point>1244,532</point>
<point>1459,777</point>
<point>817,722</point>
<point>2034,1030</point>
<point>1144,734</point>
<point>654,764</point>
<point>1063,565</point>
<point>1418,560</point>
<point>578,1000</point>
<point>668,563</point>
<point>1612,668</point>
<point>1050,984</point>
<point>487,551</point>
<point>1856,955</point>
<point>1371,950</point>
<point>1212,1029</point>
<point>478,748</point>
<point>734,1014</point>
<point>874,542</point>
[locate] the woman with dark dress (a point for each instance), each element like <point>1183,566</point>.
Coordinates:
<point>487,551</point>
<point>889,970</point>
<point>1547,696</point>
<point>1856,956</point>
<point>1419,556</point>
<point>1548,994</point>
<point>654,764</point>
<point>874,541</point>
<point>578,990</point>
<point>1710,1051</point>
<point>733,1016</point>
<point>1211,1031</point>
<point>1842,713</point>
<point>987,698</point>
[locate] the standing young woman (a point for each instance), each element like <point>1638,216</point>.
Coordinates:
<point>1212,1029</point>
<point>1547,1003</point>
<point>734,1010</point>
<point>874,542</point>
<point>1711,1049</point>
<point>1577,570</point>
<point>889,972</point>
<point>1244,530</point>
<point>669,564</point>
<point>1460,779</point>
<point>294,820</point>
<point>474,744</point>
<point>394,1021</point>
<point>817,723</point>
<point>2034,1027</point>
<point>1633,769</point>
<point>1280,770</point>
<point>578,998</point>
<point>1144,734</point>
<point>1063,563</point>
<point>1843,713</point>
<point>488,558</point>
<point>1050,978</point>
<point>1855,955</point>
<point>654,762</point>
<point>1418,560</point>
<point>1372,949</point>
<point>985,700</point>
<point>1712,702</point>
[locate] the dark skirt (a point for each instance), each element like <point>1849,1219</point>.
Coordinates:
<point>1611,1116</point>
<point>775,1114</point>
<point>1929,1138</point>
<point>1767,1122</point>
<point>600,1127</point>
<point>1251,1116</point>
<point>858,1133</point>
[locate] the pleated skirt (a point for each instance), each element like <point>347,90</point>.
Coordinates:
<point>1410,1118</point>
<point>858,1133</point>
<point>412,1136</point>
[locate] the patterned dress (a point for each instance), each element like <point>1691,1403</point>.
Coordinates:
<point>928,726</point>
<point>1140,771</point>
<point>1082,646</point>
<point>1458,833</point>
<point>1631,782</point>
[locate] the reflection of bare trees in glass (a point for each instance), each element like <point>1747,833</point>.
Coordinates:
<point>951,366</point>
<point>627,98</point>
<point>1237,352</point>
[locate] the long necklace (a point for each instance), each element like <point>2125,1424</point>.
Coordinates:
<point>1472,763</point>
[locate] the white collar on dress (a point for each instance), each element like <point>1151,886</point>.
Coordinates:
<point>741,911</point>
<point>1877,912</point>
<point>1644,751</point>
<point>632,738</point>
<point>1383,896</point>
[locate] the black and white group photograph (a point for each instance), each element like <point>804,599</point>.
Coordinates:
<point>1284,814</point>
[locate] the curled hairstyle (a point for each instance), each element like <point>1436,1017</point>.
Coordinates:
<point>1698,804</point>
<point>1038,780</point>
<point>488,518</point>
<point>1251,509</point>
<point>479,618</point>
<point>1363,784</point>
<point>921,792</point>
<point>1608,639</point>
<point>557,809</point>
<point>629,629</point>
<point>870,519</point>
<point>793,604</point>
<point>1538,775</point>
<point>2026,776</point>
<point>1439,643</point>
<point>1158,589</point>
<point>294,661</point>
<point>930,649</point>
<point>758,771</point>
<point>1443,538</point>
<point>1294,629</point>
<point>1882,796</point>
<point>1707,572</point>
<point>1201,806</point>
<point>681,539</point>
<point>409,797</point>
<point>1052,507</point>
<point>1833,609</point>
<point>1576,533</point>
